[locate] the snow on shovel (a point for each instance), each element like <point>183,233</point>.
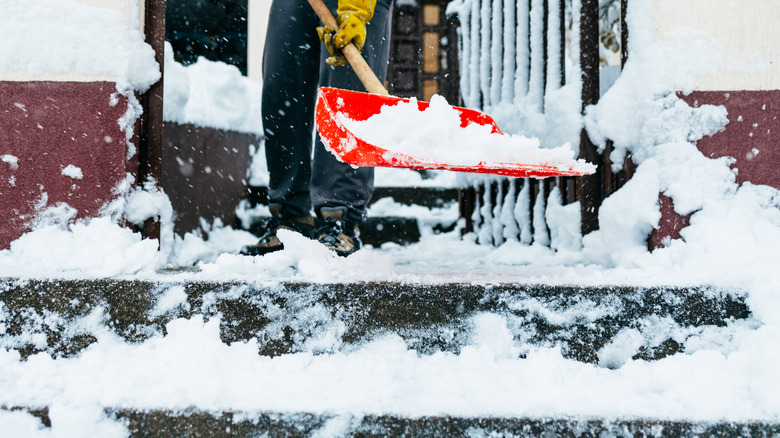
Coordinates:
<point>375,129</point>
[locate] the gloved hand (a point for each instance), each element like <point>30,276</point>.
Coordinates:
<point>352,18</point>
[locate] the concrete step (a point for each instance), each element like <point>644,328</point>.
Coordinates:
<point>431,197</point>
<point>192,423</point>
<point>376,231</point>
<point>57,316</point>
<point>397,229</point>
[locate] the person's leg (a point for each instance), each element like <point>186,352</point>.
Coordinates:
<point>290,78</point>
<point>334,183</point>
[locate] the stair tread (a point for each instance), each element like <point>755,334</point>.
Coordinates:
<point>194,422</point>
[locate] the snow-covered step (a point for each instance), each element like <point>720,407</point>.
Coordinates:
<point>194,423</point>
<point>604,325</point>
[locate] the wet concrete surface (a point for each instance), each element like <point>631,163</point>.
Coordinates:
<point>193,423</point>
<point>430,318</point>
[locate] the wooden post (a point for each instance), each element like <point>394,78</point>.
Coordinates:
<point>151,135</point>
<point>590,190</point>
<point>613,181</point>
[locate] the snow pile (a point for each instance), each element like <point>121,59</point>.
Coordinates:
<point>96,248</point>
<point>211,94</point>
<point>641,116</point>
<point>384,377</point>
<point>61,247</point>
<point>149,202</point>
<point>303,259</point>
<point>435,134</point>
<point>86,40</point>
<point>67,421</point>
<point>214,239</point>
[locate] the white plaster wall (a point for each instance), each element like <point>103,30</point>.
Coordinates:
<point>258,24</point>
<point>127,8</point>
<point>124,7</point>
<point>744,28</point>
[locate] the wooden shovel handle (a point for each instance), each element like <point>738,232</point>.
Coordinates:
<point>355,59</point>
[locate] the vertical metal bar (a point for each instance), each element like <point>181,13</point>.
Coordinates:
<point>547,186</point>
<point>545,44</point>
<point>560,182</point>
<point>623,33</point>
<point>590,189</point>
<point>611,178</point>
<point>571,190</point>
<point>466,200</point>
<point>151,135</point>
<point>562,58</point>
<point>533,193</point>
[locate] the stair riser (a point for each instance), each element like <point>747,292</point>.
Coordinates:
<point>58,317</point>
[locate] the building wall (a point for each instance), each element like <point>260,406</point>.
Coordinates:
<point>747,30</point>
<point>127,8</point>
<point>124,7</point>
<point>748,86</point>
<point>258,25</point>
<point>51,121</point>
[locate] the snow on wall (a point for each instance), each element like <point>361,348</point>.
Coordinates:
<point>744,37</point>
<point>70,40</point>
<point>71,72</point>
<point>132,9</point>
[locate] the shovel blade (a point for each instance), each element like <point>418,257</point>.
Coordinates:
<point>352,149</point>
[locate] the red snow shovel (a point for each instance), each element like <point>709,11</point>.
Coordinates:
<point>361,106</point>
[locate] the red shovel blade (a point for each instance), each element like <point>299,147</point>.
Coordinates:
<point>352,149</point>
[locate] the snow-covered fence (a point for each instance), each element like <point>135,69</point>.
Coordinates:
<point>537,66</point>
<point>512,52</point>
<point>521,61</point>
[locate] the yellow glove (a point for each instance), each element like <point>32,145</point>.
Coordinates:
<point>352,18</point>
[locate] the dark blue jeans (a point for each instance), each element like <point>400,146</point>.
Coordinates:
<point>293,67</point>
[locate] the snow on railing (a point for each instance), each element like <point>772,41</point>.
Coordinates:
<point>512,58</point>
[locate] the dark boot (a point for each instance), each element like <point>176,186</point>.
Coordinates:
<point>266,229</point>
<point>337,233</point>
